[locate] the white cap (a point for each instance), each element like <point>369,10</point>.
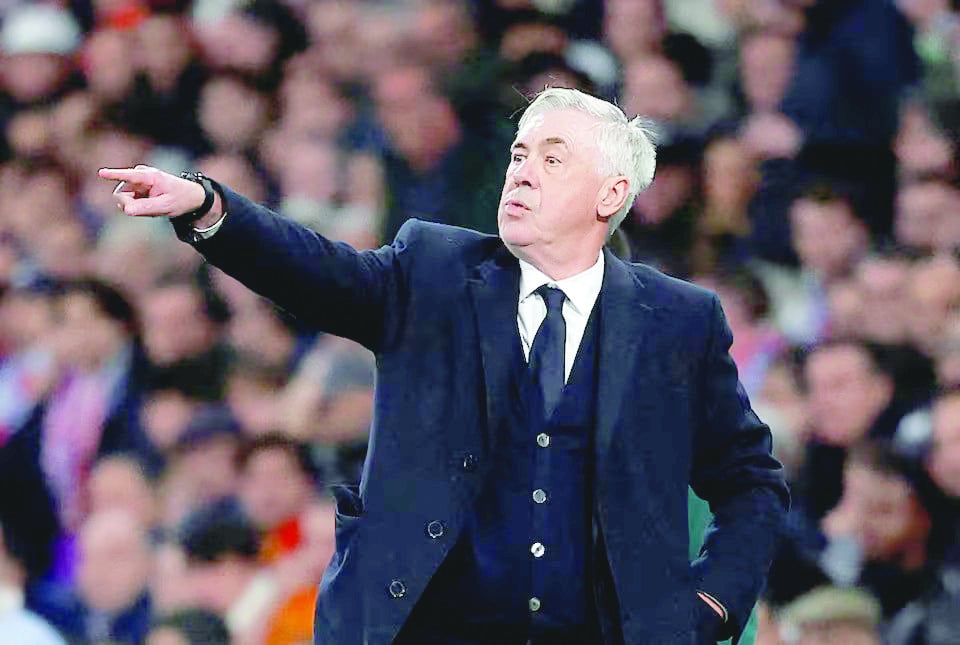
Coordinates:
<point>39,29</point>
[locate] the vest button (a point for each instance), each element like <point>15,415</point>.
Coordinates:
<point>435,529</point>
<point>470,462</point>
<point>537,550</point>
<point>543,440</point>
<point>397,589</point>
<point>534,604</point>
<point>539,496</point>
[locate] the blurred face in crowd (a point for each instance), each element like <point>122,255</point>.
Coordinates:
<point>944,460</point>
<point>167,636</point>
<point>766,65</point>
<point>882,285</point>
<point>934,293</point>
<point>215,586</point>
<point>925,216</point>
<point>889,517</point>
<point>118,483</point>
<point>633,27</point>
<point>25,318</point>
<point>234,170</point>
<point>163,50</point>
<point>165,415</point>
<point>673,188</point>
<point>232,114</point>
<point>838,633</point>
<point>655,88</point>
<point>87,336</point>
<point>845,393</point>
<point>845,303</point>
<point>827,236</point>
<point>175,325</point>
<point>256,330</point>
<point>108,64</point>
<point>553,195</point>
<point>254,399</point>
<point>420,123</point>
<point>207,471</point>
<point>729,177</point>
<point>311,107</point>
<point>31,77</point>
<point>273,488</point>
<point>114,562</point>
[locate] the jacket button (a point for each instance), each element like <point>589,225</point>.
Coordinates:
<point>435,529</point>
<point>398,589</point>
<point>470,462</point>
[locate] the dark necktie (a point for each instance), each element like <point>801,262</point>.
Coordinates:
<point>546,354</point>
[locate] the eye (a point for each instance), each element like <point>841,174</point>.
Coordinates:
<point>516,158</point>
<point>553,161</point>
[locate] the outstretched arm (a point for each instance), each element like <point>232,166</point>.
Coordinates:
<point>735,472</point>
<point>327,284</point>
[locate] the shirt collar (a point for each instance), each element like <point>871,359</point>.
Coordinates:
<point>581,289</point>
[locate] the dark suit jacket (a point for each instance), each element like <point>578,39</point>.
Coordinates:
<point>438,307</point>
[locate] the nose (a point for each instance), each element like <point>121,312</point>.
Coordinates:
<point>524,175</point>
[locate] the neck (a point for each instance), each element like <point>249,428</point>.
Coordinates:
<point>559,267</point>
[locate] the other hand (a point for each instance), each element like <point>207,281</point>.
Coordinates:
<point>148,192</point>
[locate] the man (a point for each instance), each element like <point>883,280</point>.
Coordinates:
<point>541,407</point>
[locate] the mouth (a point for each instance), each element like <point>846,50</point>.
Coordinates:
<point>516,204</point>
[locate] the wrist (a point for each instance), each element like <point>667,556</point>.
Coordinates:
<point>213,215</point>
<point>209,195</point>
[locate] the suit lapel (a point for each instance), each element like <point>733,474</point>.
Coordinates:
<point>494,289</point>
<point>627,323</point>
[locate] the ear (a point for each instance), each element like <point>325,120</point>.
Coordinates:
<point>612,196</point>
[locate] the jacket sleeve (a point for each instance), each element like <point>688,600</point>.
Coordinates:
<point>327,284</point>
<point>735,472</point>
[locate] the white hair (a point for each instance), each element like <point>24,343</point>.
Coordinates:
<point>627,146</point>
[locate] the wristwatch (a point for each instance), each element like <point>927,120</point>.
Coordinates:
<point>209,192</point>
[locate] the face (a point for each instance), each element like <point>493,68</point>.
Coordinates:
<point>175,326</point>
<point>838,633</point>
<point>552,190</point>
<point>273,488</point>
<point>826,236</point>
<point>888,514</point>
<point>166,636</point>
<point>86,335</point>
<point>114,561</point>
<point>117,484</point>
<point>766,64</point>
<point>845,394</point>
<point>882,284</point>
<point>944,461</point>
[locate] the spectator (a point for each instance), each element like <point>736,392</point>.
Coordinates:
<point>201,466</point>
<point>847,393</point>
<point>189,627</point>
<point>890,518</point>
<point>111,600</point>
<point>831,616</point>
<point>222,547</point>
<point>181,333</point>
<point>17,624</point>
<point>829,238</point>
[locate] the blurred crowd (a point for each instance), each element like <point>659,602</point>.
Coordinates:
<point>168,438</point>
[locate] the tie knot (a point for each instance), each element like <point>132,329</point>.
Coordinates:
<point>553,298</point>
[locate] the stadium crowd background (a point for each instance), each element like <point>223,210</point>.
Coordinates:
<point>167,437</point>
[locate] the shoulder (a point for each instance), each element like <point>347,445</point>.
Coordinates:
<point>673,293</point>
<point>443,241</point>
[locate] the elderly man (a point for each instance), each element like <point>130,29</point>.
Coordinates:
<point>541,406</point>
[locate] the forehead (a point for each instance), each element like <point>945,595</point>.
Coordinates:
<point>574,128</point>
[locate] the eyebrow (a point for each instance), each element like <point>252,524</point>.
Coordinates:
<point>547,142</point>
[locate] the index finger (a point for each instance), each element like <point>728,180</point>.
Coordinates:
<point>135,175</point>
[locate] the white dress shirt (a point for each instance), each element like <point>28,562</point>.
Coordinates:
<point>581,292</point>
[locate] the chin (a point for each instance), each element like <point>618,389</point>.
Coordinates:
<point>515,232</point>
